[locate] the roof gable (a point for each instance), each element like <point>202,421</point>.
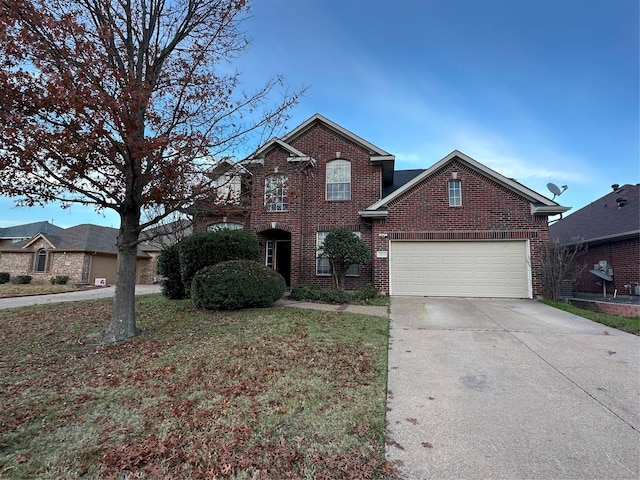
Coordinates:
<point>377,154</point>
<point>317,118</point>
<point>606,218</point>
<point>542,203</point>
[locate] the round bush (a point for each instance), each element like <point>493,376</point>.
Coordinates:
<point>236,284</point>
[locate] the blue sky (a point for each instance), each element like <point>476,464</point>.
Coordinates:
<point>538,90</point>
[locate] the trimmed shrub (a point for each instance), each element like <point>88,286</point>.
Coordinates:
<point>368,292</point>
<point>4,277</point>
<point>332,295</point>
<point>59,280</point>
<point>169,268</point>
<point>236,284</point>
<point>21,279</point>
<point>209,248</point>
<point>323,295</point>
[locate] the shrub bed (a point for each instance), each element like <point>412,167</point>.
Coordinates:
<point>236,284</point>
<point>332,295</point>
<point>60,280</point>
<point>21,279</point>
<point>4,277</point>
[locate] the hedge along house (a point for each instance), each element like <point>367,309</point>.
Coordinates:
<point>456,228</point>
<point>86,253</point>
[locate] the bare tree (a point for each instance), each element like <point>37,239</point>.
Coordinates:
<point>560,264</point>
<point>120,104</point>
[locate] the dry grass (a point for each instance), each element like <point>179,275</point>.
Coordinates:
<point>10,290</point>
<point>260,394</point>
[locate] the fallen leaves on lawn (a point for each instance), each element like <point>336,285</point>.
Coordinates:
<point>198,396</point>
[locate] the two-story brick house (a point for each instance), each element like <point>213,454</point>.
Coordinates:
<point>456,228</point>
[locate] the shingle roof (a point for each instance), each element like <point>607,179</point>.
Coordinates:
<point>84,238</point>
<point>28,230</point>
<point>400,177</point>
<point>607,218</point>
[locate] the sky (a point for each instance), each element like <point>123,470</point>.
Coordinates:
<point>539,90</point>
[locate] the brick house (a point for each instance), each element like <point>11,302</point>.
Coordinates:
<point>85,253</point>
<point>456,228</point>
<point>609,227</point>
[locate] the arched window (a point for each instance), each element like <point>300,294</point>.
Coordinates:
<point>339,180</point>
<point>275,193</point>
<point>41,260</point>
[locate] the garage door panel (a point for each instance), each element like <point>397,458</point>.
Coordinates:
<point>473,269</point>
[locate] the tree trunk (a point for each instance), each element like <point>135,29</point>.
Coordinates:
<point>337,274</point>
<point>122,324</point>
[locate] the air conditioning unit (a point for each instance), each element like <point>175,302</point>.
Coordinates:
<point>604,267</point>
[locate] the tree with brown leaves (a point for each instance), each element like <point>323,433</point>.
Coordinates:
<point>123,105</point>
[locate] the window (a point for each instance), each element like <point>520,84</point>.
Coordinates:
<point>227,188</point>
<point>275,193</point>
<point>41,260</point>
<point>455,193</point>
<point>323,267</point>
<point>339,180</point>
<point>220,226</point>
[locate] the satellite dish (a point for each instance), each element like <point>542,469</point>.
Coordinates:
<point>602,275</point>
<point>553,188</point>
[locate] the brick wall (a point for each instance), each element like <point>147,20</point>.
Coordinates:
<point>308,209</point>
<point>618,309</point>
<point>624,258</point>
<point>489,211</point>
<point>58,263</point>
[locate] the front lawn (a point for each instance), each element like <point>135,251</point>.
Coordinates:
<point>626,324</point>
<point>256,394</point>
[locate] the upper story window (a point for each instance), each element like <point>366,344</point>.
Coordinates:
<point>339,180</point>
<point>455,193</point>
<point>228,188</point>
<point>275,193</point>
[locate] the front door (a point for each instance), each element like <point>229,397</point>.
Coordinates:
<point>283,259</point>
<point>278,257</point>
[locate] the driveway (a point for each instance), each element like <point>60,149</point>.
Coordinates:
<point>510,389</point>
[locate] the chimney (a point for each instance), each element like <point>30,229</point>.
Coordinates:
<point>615,187</point>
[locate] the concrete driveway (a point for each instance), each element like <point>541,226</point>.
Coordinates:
<point>510,389</point>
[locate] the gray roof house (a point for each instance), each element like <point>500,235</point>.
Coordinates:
<point>85,253</point>
<point>18,233</point>
<point>609,227</point>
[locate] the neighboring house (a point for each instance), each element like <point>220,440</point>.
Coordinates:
<point>610,229</point>
<point>456,228</point>
<point>18,233</point>
<point>86,253</point>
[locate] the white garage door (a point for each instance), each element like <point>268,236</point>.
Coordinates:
<point>461,269</point>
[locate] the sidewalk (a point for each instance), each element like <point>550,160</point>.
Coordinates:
<point>89,294</point>
<point>106,292</point>
<point>376,311</point>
